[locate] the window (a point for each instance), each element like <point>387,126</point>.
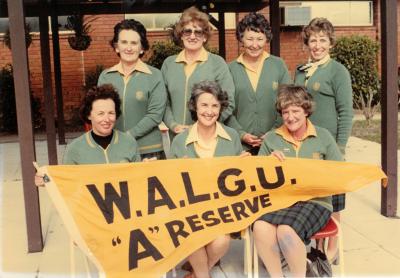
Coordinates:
<point>34,24</point>
<point>340,13</point>
<point>161,21</point>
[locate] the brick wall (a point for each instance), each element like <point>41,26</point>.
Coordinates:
<point>100,52</point>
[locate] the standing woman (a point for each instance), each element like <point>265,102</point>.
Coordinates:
<point>207,138</point>
<point>256,75</point>
<point>329,83</point>
<point>140,86</point>
<point>288,230</point>
<point>192,65</point>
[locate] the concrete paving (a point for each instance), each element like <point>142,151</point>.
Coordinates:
<point>371,241</point>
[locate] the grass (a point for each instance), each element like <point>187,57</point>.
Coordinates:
<point>371,132</point>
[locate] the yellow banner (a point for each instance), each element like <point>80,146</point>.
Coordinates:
<point>141,219</point>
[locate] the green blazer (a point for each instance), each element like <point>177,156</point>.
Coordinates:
<point>179,88</point>
<point>331,89</point>
<point>84,150</point>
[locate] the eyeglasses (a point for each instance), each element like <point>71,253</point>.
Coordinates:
<point>198,33</point>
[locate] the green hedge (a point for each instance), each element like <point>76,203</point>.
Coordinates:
<point>359,55</point>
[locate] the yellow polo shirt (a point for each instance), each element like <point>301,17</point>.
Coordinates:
<point>140,66</point>
<point>189,68</point>
<point>253,74</point>
<point>285,133</point>
<point>206,149</point>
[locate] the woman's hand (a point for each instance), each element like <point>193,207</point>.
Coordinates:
<point>180,128</point>
<point>39,181</point>
<point>251,140</point>
<point>244,154</point>
<point>147,159</point>
<point>39,176</point>
<point>279,155</point>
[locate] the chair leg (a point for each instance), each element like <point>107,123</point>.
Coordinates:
<point>341,250</point>
<point>72,258</point>
<point>247,253</point>
<point>255,260</point>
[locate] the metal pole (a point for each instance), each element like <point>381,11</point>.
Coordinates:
<point>389,105</point>
<point>25,131</point>
<point>47,86</point>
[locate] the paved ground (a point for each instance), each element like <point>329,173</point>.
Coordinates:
<point>371,241</point>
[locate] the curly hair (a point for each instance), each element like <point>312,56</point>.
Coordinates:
<point>210,87</point>
<point>317,25</point>
<point>194,15</point>
<point>254,22</point>
<point>105,91</point>
<point>134,25</point>
<point>294,95</point>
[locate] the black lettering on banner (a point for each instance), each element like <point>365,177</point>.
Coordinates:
<point>264,200</point>
<point>175,229</point>
<point>210,220</point>
<point>239,210</point>
<point>240,184</point>
<point>193,221</point>
<point>111,197</point>
<point>192,198</point>
<point>154,184</point>
<point>267,185</point>
<point>225,214</point>
<point>136,237</point>
<point>252,206</point>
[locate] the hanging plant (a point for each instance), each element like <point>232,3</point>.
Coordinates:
<point>80,40</point>
<point>28,36</point>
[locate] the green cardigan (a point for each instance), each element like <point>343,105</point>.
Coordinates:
<point>84,150</point>
<point>224,146</point>
<point>330,87</point>
<point>255,111</point>
<point>323,146</point>
<point>179,89</point>
<point>143,101</point>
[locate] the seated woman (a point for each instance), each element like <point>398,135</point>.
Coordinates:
<point>207,138</point>
<point>102,144</point>
<point>289,230</point>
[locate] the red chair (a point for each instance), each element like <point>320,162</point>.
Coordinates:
<point>331,229</point>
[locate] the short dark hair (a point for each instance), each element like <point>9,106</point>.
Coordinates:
<point>317,25</point>
<point>194,15</point>
<point>254,22</point>
<point>210,87</point>
<point>105,91</point>
<point>294,95</point>
<point>134,25</point>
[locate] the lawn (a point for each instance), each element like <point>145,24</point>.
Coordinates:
<point>371,132</point>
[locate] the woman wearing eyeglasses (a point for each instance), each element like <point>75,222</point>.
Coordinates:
<point>192,65</point>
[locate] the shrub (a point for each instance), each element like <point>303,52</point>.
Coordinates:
<point>8,112</point>
<point>92,76</point>
<point>160,50</point>
<point>359,55</point>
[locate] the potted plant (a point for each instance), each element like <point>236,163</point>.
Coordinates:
<point>80,40</point>
<point>28,36</point>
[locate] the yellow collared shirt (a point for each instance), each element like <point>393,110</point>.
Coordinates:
<point>140,66</point>
<point>189,68</point>
<point>284,132</point>
<point>253,74</point>
<point>206,149</point>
